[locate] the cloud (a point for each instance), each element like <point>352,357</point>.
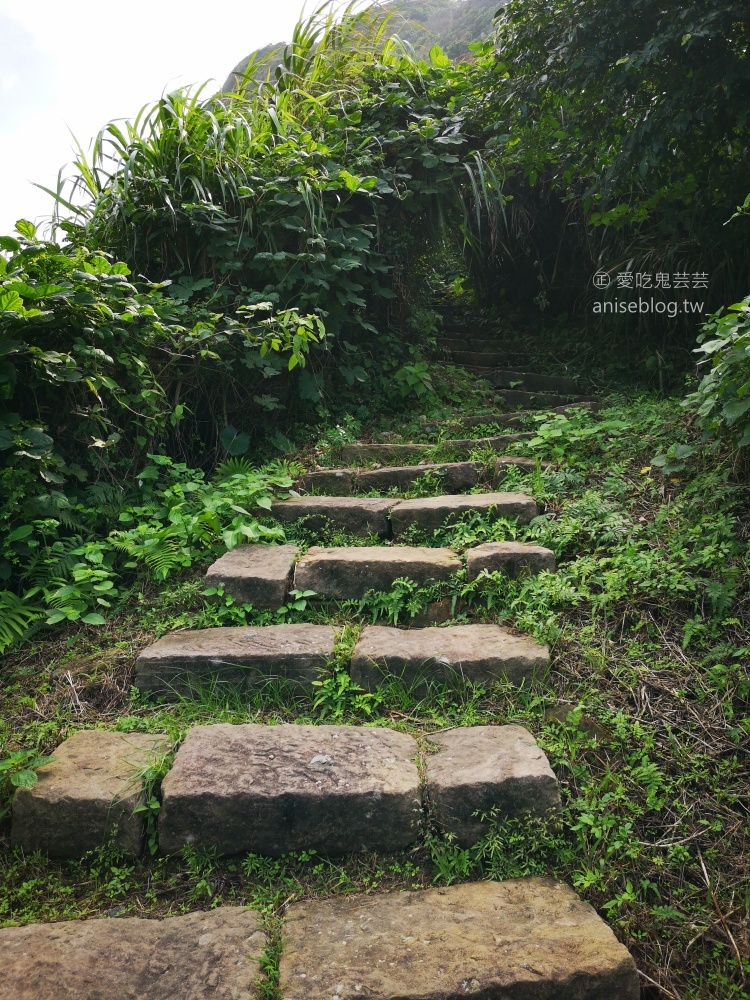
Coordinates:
<point>77,72</point>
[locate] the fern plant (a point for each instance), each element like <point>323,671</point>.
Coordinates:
<point>17,615</point>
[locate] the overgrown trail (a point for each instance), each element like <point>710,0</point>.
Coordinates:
<point>427,710</point>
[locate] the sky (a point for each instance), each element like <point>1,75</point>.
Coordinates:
<point>68,69</point>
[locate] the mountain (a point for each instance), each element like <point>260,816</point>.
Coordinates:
<point>451,24</point>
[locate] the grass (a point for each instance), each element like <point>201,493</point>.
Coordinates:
<point>645,715</point>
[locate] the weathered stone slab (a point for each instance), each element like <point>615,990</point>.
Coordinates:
<point>275,789</point>
<point>255,574</point>
<point>181,661</point>
<point>465,446</point>
<point>524,939</point>
<point>513,558</point>
<point>328,482</point>
<point>91,788</point>
<point>538,400</point>
<point>342,573</point>
<point>490,358</point>
<point>507,379</point>
<point>355,515</point>
<point>478,769</point>
<point>214,953</point>
<point>429,513</point>
<point>513,461</point>
<point>482,654</point>
<point>454,476</point>
<point>363,454</point>
<point>519,417</point>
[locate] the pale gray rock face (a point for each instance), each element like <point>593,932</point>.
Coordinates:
<point>429,513</point>
<point>329,482</point>
<point>514,558</point>
<point>255,574</point>
<point>213,954</point>
<point>89,789</point>
<point>342,573</point>
<point>276,789</point>
<point>180,662</point>
<point>524,939</point>
<point>478,769</point>
<point>482,654</point>
<point>454,476</point>
<point>358,516</point>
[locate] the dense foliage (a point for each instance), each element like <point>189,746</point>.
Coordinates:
<point>238,284</point>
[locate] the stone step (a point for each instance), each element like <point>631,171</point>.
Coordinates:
<point>364,453</point>
<point>357,516</point>
<point>481,654</point>
<point>477,771</point>
<point>256,574</point>
<point>215,953</point>
<point>513,558</point>
<point>93,785</point>
<point>180,662</point>
<point>524,939</point>
<point>429,513</point>
<point>502,465</point>
<point>514,418</point>
<point>538,400</point>
<point>505,378</point>
<point>329,482</point>
<point>272,789</point>
<point>519,417</point>
<point>276,789</point>
<point>384,453</point>
<point>482,347</point>
<point>454,477</point>
<point>343,573</point>
<point>465,446</point>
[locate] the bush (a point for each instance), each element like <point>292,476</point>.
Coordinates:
<point>722,400</point>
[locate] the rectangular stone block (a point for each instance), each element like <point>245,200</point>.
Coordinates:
<point>328,482</point>
<point>524,939</point>
<point>255,574</point>
<point>454,476</point>
<point>513,461</point>
<point>355,515</point>
<point>343,573</point>
<point>179,662</point>
<point>520,417</point>
<point>363,454</point>
<point>478,769</point>
<point>465,446</point>
<point>482,654</point>
<point>430,513</point>
<point>507,379</point>
<point>513,558</point>
<point>214,954</point>
<point>91,787</point>
<point>275,789</point>
<point>540,400</point>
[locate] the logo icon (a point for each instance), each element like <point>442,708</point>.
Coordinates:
<point>601,280</point>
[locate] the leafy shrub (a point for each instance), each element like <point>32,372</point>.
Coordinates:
<point>18,770</point>
<point>722,400</point>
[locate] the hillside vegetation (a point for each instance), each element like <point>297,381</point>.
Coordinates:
<point>237,287</point>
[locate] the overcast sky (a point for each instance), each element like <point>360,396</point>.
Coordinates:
<point>71,68</point>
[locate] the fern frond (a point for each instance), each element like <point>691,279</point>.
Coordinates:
<point>160,550</point>
<point>17,614</point>
<point>56,562</point>
<point>234,467</point>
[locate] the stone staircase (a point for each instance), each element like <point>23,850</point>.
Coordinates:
<point>275,789</point>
